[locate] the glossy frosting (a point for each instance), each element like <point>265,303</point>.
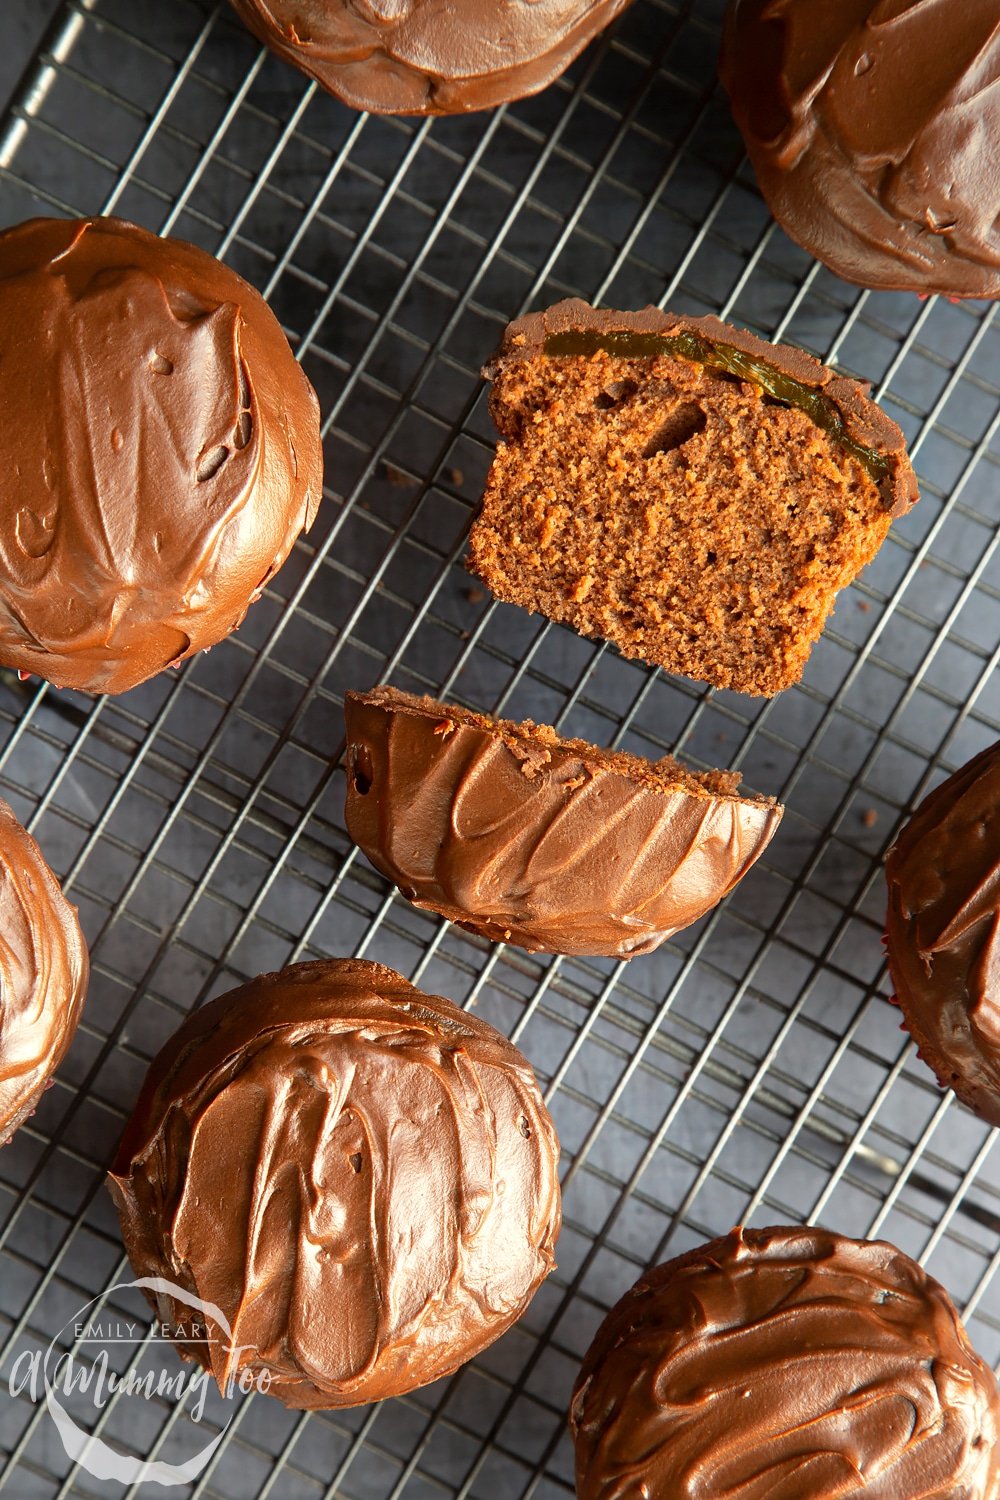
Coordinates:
<point>160,447</point>
<point>429,57</point>
<point>874,130</point>
<point>943,931</point>
<point>537,843</point>
<point>44,968</point>
<point>361,1176</point>
<point>785,1364</point>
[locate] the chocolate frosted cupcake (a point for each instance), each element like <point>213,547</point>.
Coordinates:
<point>525,837</point>
<point>44,969</point>
<point>682,488</point>
<point>943,931</point>
<point>786,1364</point>
<point>166,446</point>
<point>874,130</point>
<point>360,1177</point>
<point>428,57</point>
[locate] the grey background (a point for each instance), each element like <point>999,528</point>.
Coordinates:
<point>752,1069</point>
<point>24,23</point>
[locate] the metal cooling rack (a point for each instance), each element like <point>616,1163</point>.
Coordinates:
<point>749,1071</point>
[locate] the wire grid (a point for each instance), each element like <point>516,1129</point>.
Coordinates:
<point>751,1070</point>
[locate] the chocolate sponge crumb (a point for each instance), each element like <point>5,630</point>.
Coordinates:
<point>674,510</point>
<point>533,744</point>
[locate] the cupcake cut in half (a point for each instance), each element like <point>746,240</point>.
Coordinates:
<point>682,488</point>
<point>525,837</point>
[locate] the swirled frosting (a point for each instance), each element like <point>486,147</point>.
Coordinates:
<point>943,931</point>
<point>360,1176</point>
<point>874,130</point>
<point>428,57</point>
<point>160,451</point>
<point>527,838</point>
<point>786,1364</point>
<point>44,968</point>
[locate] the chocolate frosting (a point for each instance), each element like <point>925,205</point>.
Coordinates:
<point>943,931</point>
<point>165,445</point>
<point>863,422</point>
<point>360,1176</point>
<point>546,843</point>
<point>44,968</point>
<point>428,57</point>
<point>874,130</point>
<point>786,1364</point>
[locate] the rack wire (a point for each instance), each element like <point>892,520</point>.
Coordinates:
<point>751,1071</point>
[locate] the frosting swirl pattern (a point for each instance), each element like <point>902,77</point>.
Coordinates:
<point>428,57</point>
<point>786,1364</point>
<point>160,445</point>
<point>874,130</point>
<point>547,843</point>
<point>360,1176</point>
<point>44,969</point>
<point>943,931</point>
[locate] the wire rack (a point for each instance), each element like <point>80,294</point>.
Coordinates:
<point>749,1071</point>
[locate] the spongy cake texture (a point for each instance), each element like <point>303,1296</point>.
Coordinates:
<point>676,509</point>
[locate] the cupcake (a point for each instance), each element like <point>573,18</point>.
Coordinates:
<point>873,127</point>
<point>44,969</point>
<point>791,1364</point>
<point>682,488</point>
<point>359,1178</point>
<point>525,837</point>
<point>424,57</point>
<point>943,931</point>
<point>166,446</point>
